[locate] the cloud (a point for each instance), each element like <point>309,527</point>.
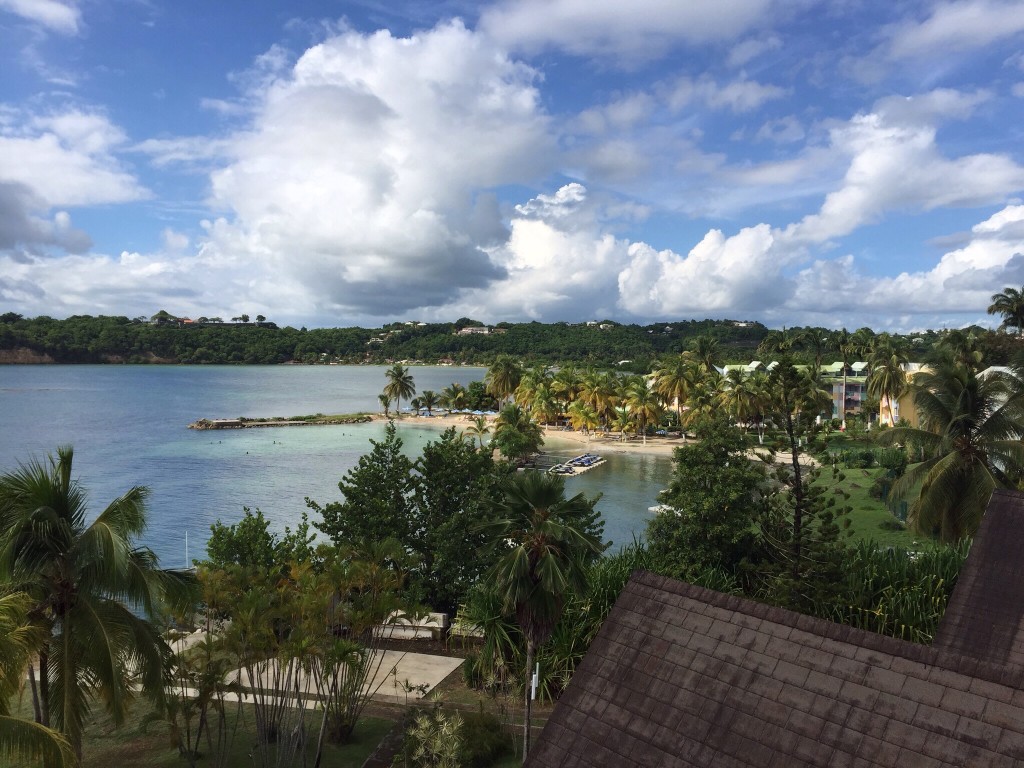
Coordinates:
<point>62,17</point>
<point>962,281</point>
<point>67,159</point>
<point>635,31</point>
<point>22,226</point>
<point>719,275</point>
<point>363,175</point>
<point>558,258</point>
<point>895,164</point>
<point>748,50</point>
<point>938,40</point>
<point>956,26</point>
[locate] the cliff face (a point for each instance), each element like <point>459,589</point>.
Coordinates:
<point>23,356</point>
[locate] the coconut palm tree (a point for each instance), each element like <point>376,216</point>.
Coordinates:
<point>545,550</point>
<point>600,391</point>
<point>674,379</point>
<point>530,381</point>
<point>848,347</point>
<point>95,594</point>
<point>454,396</point>
<point>816,341</point>
<point>23,740</point>
<point>429,400</point>
<point>964,346</point>
<point>970,441</point>
<point>705,350</point>
<point>738,397</point>
<point>479,429</point>
<point>400,385</point>
<point>1010,304</point>
<point>503,377</point>
<point>385,403</point>
<point>644,404</point>
<point>545,404</point>
<point>516,434</point>
<point>583,417</point>
<point>888,379</point>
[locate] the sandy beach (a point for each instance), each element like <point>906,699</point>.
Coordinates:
<point>596,442</point>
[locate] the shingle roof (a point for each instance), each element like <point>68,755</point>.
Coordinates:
<point>985,615</point>
<point>684,676</point>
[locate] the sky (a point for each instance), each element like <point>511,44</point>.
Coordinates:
<point>796,162</point>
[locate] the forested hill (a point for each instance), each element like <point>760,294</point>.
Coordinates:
<point>165,339</point>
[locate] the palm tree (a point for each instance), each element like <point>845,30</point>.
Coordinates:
<point>530,381</point>
<point>503,377</point>
<point>400,385</point>
<point>23,739</point>
<point>94,593</point>
<point>429,400</point>
<point>849,347</point>
<point>888,379</point>
<point>964,346</point>
<point>545,404</point>
<point>479,429</point>
<point>705,349</point>
<point>737,397</point>
<point>1010,304</point>
<point>644,404</point>
<point>516,434</point>
<point>545,552</point>
<point>778,342</point>
<point>600,391</point>
<point>970,441</point>
<point>816,341</point>
<point>583,417</point>
<point>454,396</point>
<point>385,402</point>
<point>673,381</point>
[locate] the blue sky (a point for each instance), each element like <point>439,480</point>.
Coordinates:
<point>339,163</point>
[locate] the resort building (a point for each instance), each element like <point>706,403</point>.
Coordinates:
<point>849,394</point>
<point>684,676</point>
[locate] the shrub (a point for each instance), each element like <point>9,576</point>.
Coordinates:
<point>484,740</point>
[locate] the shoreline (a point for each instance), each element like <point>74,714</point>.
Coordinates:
<point>595,441</point>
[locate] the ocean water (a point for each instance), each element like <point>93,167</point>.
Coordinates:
<point>128,426</point>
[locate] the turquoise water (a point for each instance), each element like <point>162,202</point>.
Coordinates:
<point>128,425</point>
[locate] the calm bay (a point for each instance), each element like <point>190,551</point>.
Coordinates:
<point>128,426</point>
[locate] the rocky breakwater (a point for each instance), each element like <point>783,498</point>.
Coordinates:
<point>296,421</point>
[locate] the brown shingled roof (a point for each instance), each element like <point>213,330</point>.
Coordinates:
<point>684,676</point>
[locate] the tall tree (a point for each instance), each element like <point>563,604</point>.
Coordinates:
<point>970,443</point>
<point>546,541</point>
<point>503,377</point>
<point>479,428</point>
<point>1010,304</point>
<point>673,380</point>
<point>705,350</point>
<point>400,385</point>
<point>377,496</point>
<point>643,403</point>
<point>430,400</point>
<point>888,379</point>
<point>23,739</point>
<point>95,593</point>
<point>710,506</point>
<point>516,434</point>
<point>455,487</point>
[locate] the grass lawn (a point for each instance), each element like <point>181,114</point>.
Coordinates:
<point>868,515</point>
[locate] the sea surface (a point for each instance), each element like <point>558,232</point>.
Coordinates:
<point>129,426</point>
